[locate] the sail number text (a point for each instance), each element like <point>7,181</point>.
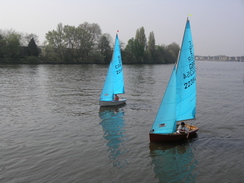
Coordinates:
<point>190,82</point>
<point>191,70</point>
<point>118,67</point>
<point>191,67</point>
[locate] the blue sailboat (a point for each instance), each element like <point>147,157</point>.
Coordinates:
<point>114,82</point>
<point>179,101</point>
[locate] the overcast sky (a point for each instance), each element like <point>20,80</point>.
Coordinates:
<point>217,25</point>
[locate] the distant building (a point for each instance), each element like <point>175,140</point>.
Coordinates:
<point>220,58</point>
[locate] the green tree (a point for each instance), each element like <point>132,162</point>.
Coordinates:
<point>151,48</point>
<point>50,54</point>
<point>141,37</point>
<point>87,38</point>
<point>32,47</point>
<point>140,44</point>
<point>129,52</point>
<point>171,53</point>
<point>135,49</point>
<point>105,48</point>
<point>56,40</point>
<point>12,49</point>
<point>70,43</point>
<point>74,44</point>
<point>159,57</point>
<point>2,46</point>
<point>26,38</point>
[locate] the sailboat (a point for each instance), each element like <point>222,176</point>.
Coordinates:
<point>179,101</point>
<point>114,82</point>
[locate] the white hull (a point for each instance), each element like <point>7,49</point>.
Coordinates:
<point>112,103</point>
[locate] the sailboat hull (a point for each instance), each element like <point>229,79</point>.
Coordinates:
<point>173,136</point>
<point>112,103</point>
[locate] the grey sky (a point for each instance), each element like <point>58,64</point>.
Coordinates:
<point>217,25</point>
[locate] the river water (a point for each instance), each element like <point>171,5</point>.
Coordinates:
<point>53,130</point>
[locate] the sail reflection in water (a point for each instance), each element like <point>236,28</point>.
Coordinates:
<point>173,162</point>
<point>113,123</point>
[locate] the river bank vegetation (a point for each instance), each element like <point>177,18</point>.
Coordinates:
<point>84,44</point>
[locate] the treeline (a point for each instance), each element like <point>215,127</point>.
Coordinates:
<point>14,47</point>
<point>84,44</point>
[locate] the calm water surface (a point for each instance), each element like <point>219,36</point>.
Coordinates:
<point>52,129</point>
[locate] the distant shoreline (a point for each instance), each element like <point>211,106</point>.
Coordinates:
<point>39,60</point>
<point>220,58</point>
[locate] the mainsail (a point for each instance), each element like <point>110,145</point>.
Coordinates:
<point>186,78</point>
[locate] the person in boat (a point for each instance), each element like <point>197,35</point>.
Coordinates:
<point>183,129</point>
<point>116,97</point>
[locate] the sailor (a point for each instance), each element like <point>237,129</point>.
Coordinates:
<point>183,129</point>
<point>116,97</point>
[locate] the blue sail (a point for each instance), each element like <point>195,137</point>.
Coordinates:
<point>165,121</point>
<point>186,79</point>
<point>179,101</point>
<point>114,82</point>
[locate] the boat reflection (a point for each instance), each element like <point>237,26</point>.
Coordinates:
<point>113,127</point>
<point>173,162</point>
